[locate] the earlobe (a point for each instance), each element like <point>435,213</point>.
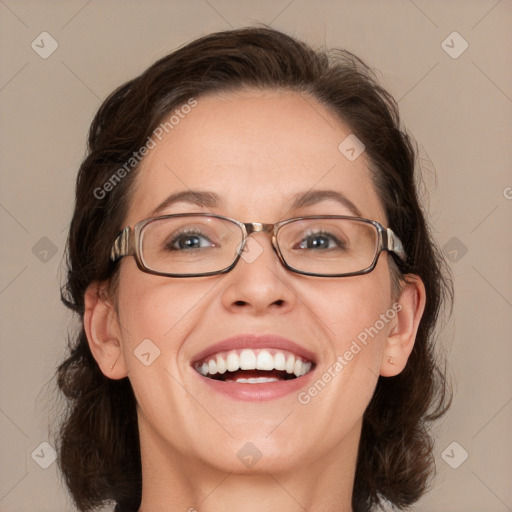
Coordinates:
<point>400,340</point>
<point>103,332</point>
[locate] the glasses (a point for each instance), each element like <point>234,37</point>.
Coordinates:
<point>201,244</point>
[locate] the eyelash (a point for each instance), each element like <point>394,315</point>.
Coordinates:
<point>326,234</point>
<point>184,232</point>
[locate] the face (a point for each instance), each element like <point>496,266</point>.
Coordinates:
<point>256,151</point>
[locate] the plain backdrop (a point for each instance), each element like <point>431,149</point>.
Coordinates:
<point>448,65</point>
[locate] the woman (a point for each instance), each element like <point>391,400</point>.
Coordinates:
<point>257,289</point>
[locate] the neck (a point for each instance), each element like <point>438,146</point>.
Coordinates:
<point>174,480</point>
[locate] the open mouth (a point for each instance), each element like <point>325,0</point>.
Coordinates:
<point>254,366</point>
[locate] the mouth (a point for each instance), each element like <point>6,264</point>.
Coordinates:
<point>254,366</point>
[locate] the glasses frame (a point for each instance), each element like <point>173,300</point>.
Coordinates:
<point>129,243</point>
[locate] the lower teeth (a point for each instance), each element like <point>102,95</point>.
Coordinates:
<point>254,380</point>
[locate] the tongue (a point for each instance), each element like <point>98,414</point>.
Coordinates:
<point>252,374</point>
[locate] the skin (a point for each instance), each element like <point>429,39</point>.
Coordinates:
<point>255,149</point>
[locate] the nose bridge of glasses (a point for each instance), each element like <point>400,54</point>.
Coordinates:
<point>257,227</point>
<point>260,227</point>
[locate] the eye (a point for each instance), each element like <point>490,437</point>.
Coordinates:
<point>321,240</point>
<point>188,239</point>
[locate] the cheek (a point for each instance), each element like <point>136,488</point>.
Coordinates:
<point>155,315</point>
<point>153,305</point>
<point>351,305</point>
<point>351,313</point>
<point>156,309</point>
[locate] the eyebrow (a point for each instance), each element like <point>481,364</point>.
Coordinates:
<point>298,201</point>
<point>313,197</point>
<point>198,198</point>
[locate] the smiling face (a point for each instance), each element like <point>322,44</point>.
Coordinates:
<point>257,152</point>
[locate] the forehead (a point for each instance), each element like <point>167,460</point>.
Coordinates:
<point>257,150</point>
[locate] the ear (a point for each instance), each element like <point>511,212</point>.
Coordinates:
<point>103,332</point>
<point>401,338</point>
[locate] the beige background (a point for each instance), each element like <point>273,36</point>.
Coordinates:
<point>459,110</point>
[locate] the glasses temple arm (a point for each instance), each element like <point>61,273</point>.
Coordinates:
<point>394,244</point>
<point>122,245</point>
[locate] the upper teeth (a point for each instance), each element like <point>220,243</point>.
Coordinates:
<point>249,359</point>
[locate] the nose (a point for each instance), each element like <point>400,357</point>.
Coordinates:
<point>259,283</point>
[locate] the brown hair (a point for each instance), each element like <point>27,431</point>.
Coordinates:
<point>98,445</point>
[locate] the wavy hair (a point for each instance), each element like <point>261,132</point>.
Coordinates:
<point>97,436</point>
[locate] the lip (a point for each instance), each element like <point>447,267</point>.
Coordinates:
<point>256,392</point>
<point>255,341</point>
